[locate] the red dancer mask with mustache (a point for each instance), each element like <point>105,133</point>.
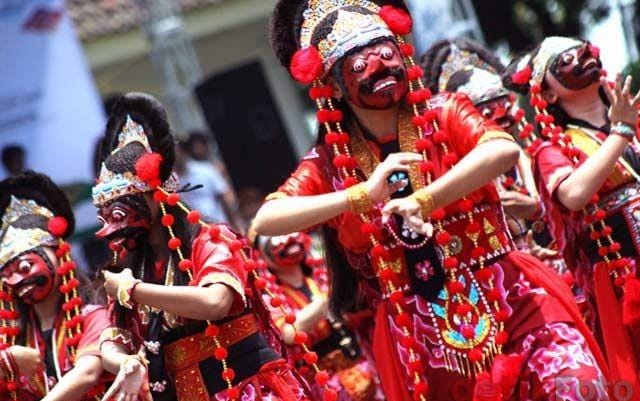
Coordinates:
<point>30,276</point>
<point>375,77</point>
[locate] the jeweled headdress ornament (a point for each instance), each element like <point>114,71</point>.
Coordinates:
<point>130,165</point>
<point>15,241</point>
<point>112,185</point>
<point>353,27</point>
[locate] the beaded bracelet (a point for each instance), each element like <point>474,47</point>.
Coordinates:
<point>623,129</point>
<point>359,200</point>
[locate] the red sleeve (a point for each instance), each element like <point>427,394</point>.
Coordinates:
<point>465,125</point>
<point>308,179</point>
<point>96,320</point>
<point>214,263</point>
<point>553,167</point>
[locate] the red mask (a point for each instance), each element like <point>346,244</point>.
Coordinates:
<point>289,250</point>
<point>375,78</point>
<point>122,225</point>
<point>498,110</point>
<point>30,276</point>
<point>577,68</point>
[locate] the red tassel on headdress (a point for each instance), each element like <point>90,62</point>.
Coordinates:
<point>306,65</point>
<point>631,303</point>
<point>398,20</point>
<point>57,226</point>
<point>148,169</point>
<point>523,76</point>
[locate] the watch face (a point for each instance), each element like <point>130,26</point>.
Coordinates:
<point>400,176</point>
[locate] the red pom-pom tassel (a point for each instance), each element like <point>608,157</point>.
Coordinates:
<point>148,169</point>
<point>398,20</point>
<point>306,65</point>
<point>57,226</point>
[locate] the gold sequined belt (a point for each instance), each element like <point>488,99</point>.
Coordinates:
<point>188,351</point>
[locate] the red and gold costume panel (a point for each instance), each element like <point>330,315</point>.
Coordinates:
<point>535,303</point>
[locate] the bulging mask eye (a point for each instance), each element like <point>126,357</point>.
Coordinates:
<point>359,66</point>
<point>387,53</point>
<point>567,59</point>
<point>118,214</point>
<point>24,266</point>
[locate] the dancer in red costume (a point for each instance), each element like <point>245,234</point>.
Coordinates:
<point>459,313</point>
<point>50,331</point>
<point>587,173</point>
<point>186,295</point>
<point>303,281</point>
<point>464,66</point>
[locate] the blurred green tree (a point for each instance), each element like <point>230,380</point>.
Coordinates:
<point>523,23</point>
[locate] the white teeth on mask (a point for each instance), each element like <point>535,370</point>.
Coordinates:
<point>384,85</point>
<point>25,289</point>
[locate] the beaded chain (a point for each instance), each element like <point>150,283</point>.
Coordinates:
<point>252,266</point>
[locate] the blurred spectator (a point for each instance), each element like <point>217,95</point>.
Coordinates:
<point>216,200</point>
<point>249,201</point>
<point>13,159</point>
<point>197,146</point>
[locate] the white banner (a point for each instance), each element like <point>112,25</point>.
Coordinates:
<point>48,102</point>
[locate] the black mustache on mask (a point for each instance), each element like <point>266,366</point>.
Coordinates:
<point>127,233</point>
<point>368,85</point>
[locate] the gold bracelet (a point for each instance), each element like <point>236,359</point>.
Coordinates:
<point>359,200</point>
<point>426,202</point>
<point>124,292</point>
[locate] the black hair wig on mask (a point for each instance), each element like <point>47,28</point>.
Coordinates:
<point>148,112</point>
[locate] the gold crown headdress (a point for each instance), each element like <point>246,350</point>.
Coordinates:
<point>16,241</point>
<point>113,185</point>
<point>351,29</point>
